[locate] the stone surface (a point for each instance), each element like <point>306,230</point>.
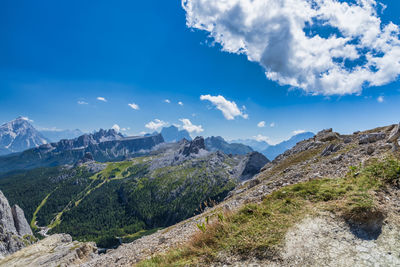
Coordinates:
<point>395,134</point>
<point>55,250</point>
<point>6,218</point>
<point>371,138</point>
<point>20,222</point>
<point>15,232</point>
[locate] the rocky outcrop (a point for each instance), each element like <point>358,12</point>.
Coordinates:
<point>20,221</point>
<point>15,232</point>
<point>253,163</point>
<point>55,250</point>
<point>371,138</point>
<point>395,134</point>
<point>193,147</point>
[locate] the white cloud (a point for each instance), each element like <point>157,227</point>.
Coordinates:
<point>134,106</point>
<point>156,124</point>
<point>191,128</point>
<point>101,99</point>
<point>116,127</point>
<point>380,99</point>
<point>180,103</point>
<point>167,101</point>
<point>262,138</point>
<point>272,125</point>
<point>80,102</point>
<point>261,124</point>
<point>229,108</point>
<point>286,38</point>
<point>298,132</point>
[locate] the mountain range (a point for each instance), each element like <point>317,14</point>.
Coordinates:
<point>104,145</point>
<point>272,151</point>
<point>29,148</point>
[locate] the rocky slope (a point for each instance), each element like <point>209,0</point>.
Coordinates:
<point>15,232</point>
<point>321,238</point>
<point>19,135</point>
<point>104,145</point>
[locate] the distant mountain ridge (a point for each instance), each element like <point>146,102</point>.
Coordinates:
<point>173,134</point>
<point>272,151</point>
<point>104,145</point>
<point>275,150</point>
<point>57,135</point>
<point>19,135</point>
<point>215,143</point>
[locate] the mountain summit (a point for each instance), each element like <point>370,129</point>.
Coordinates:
<point>19,135</point>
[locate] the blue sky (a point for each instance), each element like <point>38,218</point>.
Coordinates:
<point>54,54</point>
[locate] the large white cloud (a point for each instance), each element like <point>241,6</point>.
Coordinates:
<point>229,108</point>
<point>156,124</point>
<point>286,38</point>
<point>190,127</point>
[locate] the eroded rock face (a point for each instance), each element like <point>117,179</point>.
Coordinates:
<point>371,138</point>
<point>6,217</point>
<point>55,250</point>
<point>253,163</point>
<point>15,232</point>
<point>20,222</point>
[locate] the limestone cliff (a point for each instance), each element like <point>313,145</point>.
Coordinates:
<point>15,232</point>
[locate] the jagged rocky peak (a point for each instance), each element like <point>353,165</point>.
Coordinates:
<point>253,163</point>
<point>19,135</point>
<point>15,232</point>
<point>193,147</point>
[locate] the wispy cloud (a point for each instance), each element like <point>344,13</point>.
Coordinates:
<point>272,125</point>
<point>288,39</point>
<point>167,101</point>
<point>80,102</point>
<point>134,106</point>
<point>156,124</point>
<point>191,128</point>
<point>380,99</point>
<point>180,103</point>
<point>298,132</point>
<point>100,98</point>
<point>262,138</point>
<point>261,124</point>
<point>229,108</point>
